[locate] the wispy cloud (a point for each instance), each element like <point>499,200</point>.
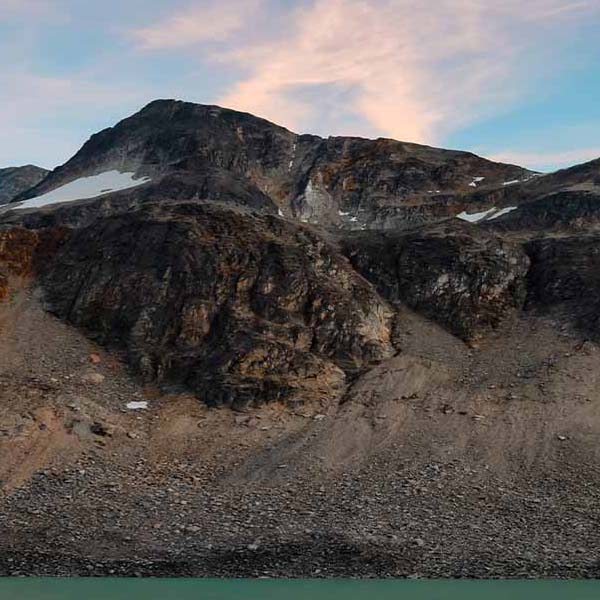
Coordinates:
<point>411,70</point>
<point>407,69</point>
<point>207,21</point>
<point>547,161</point>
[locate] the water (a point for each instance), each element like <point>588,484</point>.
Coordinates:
<point>210,589</point>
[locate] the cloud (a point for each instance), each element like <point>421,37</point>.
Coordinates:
<point>409,69</point>
<point>208,22</point>
<point>546,161</point>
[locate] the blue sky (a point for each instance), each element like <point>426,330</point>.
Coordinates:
<point>516,81</point>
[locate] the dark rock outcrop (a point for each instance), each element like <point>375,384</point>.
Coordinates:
<point>354,183</point>
<point>565,273</point>
<point>564,211</point>
<point>16,180</point>
<point>23,252</point>
<point>566,200</point>
<point>243,309</point>
<point>464,279</point>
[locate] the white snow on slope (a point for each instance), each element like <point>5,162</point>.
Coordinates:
<point>475,217</point>
<point>84,188</point>
<point>293,156</point>
<point>487,215</point>
<point>476,180</point>
<point>502,211</point>
<point>512,182</point>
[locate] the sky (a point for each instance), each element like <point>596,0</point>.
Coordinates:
<point>512,80</point>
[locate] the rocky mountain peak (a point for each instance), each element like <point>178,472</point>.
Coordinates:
<point>340,182</point>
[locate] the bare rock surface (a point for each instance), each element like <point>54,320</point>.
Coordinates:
<point>464,279</point>
<point>16,180</point>
<point>242,309</point>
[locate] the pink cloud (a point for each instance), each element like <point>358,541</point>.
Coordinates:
<point>412,71</point>
<point>208,21</point>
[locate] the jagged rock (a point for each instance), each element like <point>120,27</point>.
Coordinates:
<point>16,180</point>
<point>566,200</point>
<point>243,309</point>
<point>457,275</point>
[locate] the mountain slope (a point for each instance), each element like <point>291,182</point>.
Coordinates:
<point>240,309</point>
<point>16,180</point>
<point>352,183</point>
<point>417,398</point>
<point>564,201</point>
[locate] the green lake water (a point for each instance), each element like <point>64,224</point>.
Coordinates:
<point>208,589</point>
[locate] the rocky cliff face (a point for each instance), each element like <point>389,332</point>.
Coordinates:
<point>241,309</point>
<point>566,212</point>
<point>564,201</point>
<point>341,182</point>
<point>16,180</point>
<point>23,252</point>
<point>465,280</point>
<point>565,274</point>
<point>207,280</point>
<point>354,183</point>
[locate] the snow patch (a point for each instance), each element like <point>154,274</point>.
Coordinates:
<point>279,212</point>
<point>512,182</point>
<point>84,188</point>
<point>476,180</point>
<point>137,405</point>
<point>475,217</point>
<point>486,215</point>
<point>293,156</point>
<point>502,211</point>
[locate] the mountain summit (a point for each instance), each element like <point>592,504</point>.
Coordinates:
<point>214,153</point>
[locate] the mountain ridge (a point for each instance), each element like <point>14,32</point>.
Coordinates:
<point>348,182</point>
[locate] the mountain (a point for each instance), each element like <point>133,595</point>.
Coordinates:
<point>186,245</point>
<point>566,200</point>
<point>344,182</point>
<point>16,180</point>
<point>230,350</point>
